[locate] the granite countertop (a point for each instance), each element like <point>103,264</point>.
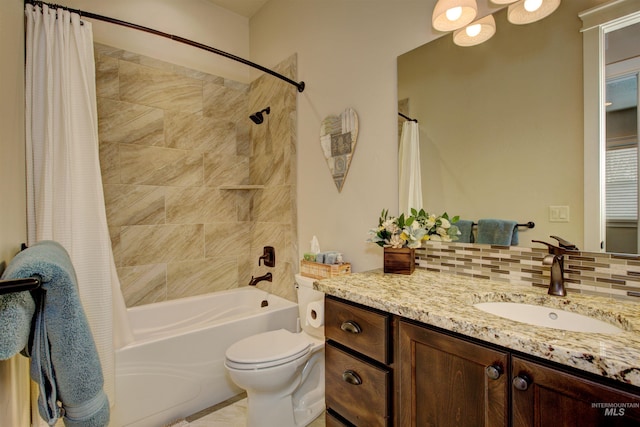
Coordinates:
<point>446,301</point>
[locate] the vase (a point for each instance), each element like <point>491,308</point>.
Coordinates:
<point>399,260</point>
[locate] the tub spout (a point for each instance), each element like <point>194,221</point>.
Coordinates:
<point>255,280</point>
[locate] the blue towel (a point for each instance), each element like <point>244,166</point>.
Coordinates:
<point>466,231</point>
<point>64,359</point>
<point>16,312</point>
<point>497,232</point>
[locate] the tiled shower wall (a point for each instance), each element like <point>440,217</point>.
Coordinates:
<point>602,274</point>
<point>172,142</point>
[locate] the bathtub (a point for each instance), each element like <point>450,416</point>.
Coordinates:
<point>175,366</point>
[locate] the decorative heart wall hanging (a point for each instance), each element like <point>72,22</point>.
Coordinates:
<point>338,136</point>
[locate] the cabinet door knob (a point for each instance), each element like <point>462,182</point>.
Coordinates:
<point>493,371</point>
<point>351,327</point>
<point>521,382</point>
<point>351,377</point>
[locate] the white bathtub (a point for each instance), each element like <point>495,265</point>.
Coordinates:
<point>175,367</point>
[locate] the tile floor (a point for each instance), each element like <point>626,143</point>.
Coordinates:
<point>232,413</point>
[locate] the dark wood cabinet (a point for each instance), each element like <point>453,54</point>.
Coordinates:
<point>384,370</point>
<point>358,375</point>
<point>446,381</point>
<point>544,396</point>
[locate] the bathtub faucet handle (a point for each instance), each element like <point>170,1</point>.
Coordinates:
<point>268,256</point>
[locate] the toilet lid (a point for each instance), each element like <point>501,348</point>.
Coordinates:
<point>267,349</point>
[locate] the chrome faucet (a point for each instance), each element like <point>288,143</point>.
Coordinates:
<point>556,260</point>
<point>255,280</point>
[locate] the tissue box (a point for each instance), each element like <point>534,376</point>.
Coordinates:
<point>317,270</point>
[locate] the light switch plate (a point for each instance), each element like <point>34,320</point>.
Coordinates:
<point>559,213</point>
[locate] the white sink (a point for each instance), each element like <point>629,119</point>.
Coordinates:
<point>548,317</point>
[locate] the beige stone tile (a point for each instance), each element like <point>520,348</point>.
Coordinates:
<point>194,132</point>
<point>143,284</point>
<point>107,82</point>
<point>130,123</point>
<point>190,278</point>
<point>158,88</point>
<point>273,204</point>
<point>268,169</point>
<point>134,204</point>
<point>227,239</point>
<point>225,103</point>
<point>116,247</point>
<point>225,170</point>
<point>159,166</point>
<point>110,163</point>
<point>153,244</point>
<point>199,205</point>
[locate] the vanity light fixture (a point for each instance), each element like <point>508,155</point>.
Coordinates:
<point>503,1</point>
<point>527,11</point>
<point>475,33</point>
<point>450,15</point>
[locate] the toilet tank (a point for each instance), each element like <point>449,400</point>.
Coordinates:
<point>307,295</point>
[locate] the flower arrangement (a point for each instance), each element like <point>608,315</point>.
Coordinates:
<point>410,231</point>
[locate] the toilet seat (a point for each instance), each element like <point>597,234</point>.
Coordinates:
<point>267,349</point>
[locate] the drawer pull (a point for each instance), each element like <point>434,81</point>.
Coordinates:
<point>493,371</point>
<point>351,327</point>
<point>351,377</point>
<point>522,382</point>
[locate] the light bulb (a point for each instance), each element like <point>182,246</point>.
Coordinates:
<point>473,30</point>
<point>454,13</point>
<point>532,5</point>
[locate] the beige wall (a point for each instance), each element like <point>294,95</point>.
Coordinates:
<point>14,385</point>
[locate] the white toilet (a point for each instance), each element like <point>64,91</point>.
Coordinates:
<point>282,371</point>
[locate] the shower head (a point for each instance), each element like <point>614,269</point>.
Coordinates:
<point>258,117</point>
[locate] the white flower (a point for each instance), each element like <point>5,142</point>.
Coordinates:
<point>444,223</point>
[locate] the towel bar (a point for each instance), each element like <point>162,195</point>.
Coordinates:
<point>529,224</point>
<point>19,285</point>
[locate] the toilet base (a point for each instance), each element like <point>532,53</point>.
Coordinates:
<point>265,411</point>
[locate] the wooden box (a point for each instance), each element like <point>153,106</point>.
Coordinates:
<point>317,270</point>
<point>399,260</point>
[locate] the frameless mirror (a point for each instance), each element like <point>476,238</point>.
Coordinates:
<point>502,125</point>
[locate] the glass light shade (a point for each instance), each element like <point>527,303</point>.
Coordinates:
<point>518,14</point>
<point>485,28</point>
<point>467,10</point>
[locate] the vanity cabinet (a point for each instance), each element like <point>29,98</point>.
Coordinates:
<point>543,396</point>
<point>358,371</point>
<point>384,370</point>
<point>446,381</point>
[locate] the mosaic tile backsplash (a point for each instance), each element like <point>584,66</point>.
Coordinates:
<point>603,274</point>
<point>172,140</point>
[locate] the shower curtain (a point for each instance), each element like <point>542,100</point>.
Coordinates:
<point>410,183</point>
<point>64,185</point>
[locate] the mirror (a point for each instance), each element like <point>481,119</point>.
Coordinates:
<point>501,124</point>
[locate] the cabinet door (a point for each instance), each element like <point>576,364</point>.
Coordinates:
<point>446,381</point>
<point>544,396</point>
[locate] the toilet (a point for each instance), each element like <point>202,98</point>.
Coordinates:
<point>283,371</point>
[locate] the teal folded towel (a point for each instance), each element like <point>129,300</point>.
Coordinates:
<point>497,232</point>
<point>466,231</point>
<point>64,359</point>
<point>16,312</point>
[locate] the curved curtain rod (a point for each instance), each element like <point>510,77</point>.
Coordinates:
<point>300,85</point>
<point>407,117</point>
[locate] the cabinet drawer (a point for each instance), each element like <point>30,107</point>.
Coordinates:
<point>363,330</point>
<point>357,390</point>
